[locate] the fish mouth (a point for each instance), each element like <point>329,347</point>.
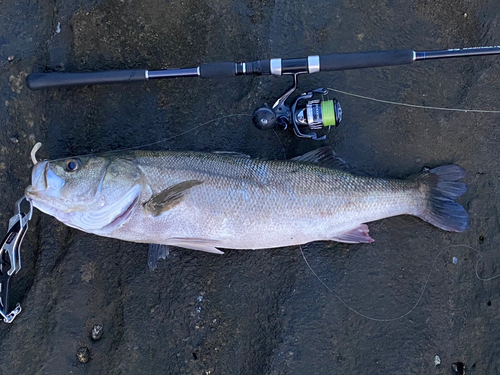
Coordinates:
<point>44,181</point>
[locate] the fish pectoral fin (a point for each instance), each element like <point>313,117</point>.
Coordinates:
<point>169,197</point>
<point>324,157</point>
<point>201,244</point>
<point>155,253</point>
<point>356,235</point>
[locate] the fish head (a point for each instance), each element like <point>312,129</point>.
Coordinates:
<point>94,194</point>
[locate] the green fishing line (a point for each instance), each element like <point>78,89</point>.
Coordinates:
<point>328,113</point>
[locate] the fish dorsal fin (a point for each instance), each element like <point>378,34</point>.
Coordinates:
<point>169,197</point>
<point>155,253</point>
<point>325,157</point>
<point>231,153</point>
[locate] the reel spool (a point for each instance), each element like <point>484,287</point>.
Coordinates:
<point>306,114</point>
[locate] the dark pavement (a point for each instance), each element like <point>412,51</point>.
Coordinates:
<point>260,312</point>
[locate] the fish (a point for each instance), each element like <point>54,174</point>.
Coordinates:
<point>214,201</point>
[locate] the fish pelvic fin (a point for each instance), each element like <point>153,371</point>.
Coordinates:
<point>442,188</point>
<point>169,197</point>
<point>155,253</point>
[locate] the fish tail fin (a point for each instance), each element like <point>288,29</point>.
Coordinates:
<point>441,188</point>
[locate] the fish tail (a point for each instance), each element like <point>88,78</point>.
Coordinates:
<point>441,188</point>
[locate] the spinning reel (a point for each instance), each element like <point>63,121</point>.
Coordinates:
<point>305,113</point>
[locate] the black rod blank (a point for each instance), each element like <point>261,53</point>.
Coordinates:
<point>310,64</point>
<point>459,52</point>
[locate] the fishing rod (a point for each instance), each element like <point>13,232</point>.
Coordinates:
<point>305,113</point>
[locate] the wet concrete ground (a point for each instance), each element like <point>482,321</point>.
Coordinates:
<point>260,312</point>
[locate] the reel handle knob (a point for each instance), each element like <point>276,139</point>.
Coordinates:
<point>264,118</point>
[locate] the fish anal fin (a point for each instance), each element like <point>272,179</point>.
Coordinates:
<point>201,244</point>
<point>155,253</point>
<point>356,235</point>
<point>169,197</point>
<point>324,157</point>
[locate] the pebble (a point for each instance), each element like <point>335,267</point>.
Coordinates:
<point>437,360</point>
<point>97,332</point>
<point>455,260</point>
<point>14,140</point>
<point>10,58</point>
<point>458,368</point>
<point>83,354</point>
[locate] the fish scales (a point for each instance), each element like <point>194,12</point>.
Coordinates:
<point>239,188</point>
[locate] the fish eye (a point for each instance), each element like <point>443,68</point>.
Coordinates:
<point>73,165</point>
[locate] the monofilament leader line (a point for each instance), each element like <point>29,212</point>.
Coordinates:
<point>421,293</point>
<point>161,140</point>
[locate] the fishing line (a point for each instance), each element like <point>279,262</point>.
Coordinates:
<point>414,105</point>
<point>281,143</point>
<point>184,132</point>
<point>161,140</point>
<point>279,139</point>
<point>421,293</point>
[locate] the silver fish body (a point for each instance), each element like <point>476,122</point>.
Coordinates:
<point>209,201</point>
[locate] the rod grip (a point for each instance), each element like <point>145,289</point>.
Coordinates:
<point>358,60</point>
<point>218,70</point>
<point>39,81</point>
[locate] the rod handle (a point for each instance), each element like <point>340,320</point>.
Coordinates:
<point>358,60</point>
<point>218,70</point>
<point>39,81</point>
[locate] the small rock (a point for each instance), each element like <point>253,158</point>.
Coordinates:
<point>14,140</point>
<point>458,368</point>
<point>455,260</point>
<point>17,82</point>
<point>437,360</point>
<point>32,139</point>
<point>58,28</point>
<point>10,58</point>
<point>83,354</point>
<point>97,332</point>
